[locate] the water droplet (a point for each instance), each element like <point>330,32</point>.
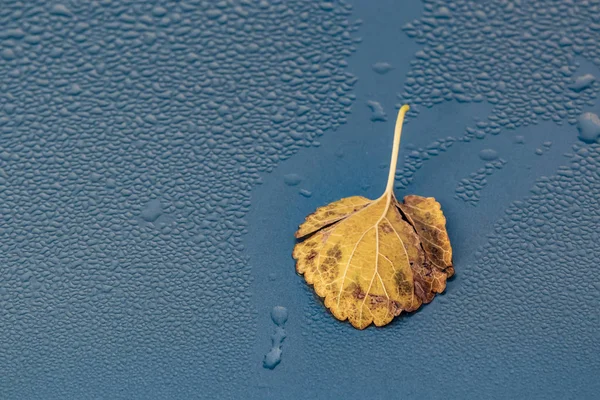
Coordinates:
<point>377,111</point>
<point>60,9</point>
<point>382,67</point>
<point>292,179</point>
<point>326,6</point>
<point>588,125</point>
<point>272,358</point>
<point>305,193</point>
<point>297,135</point>
<point>442,13</point>
<point>152,211</point>
<point>279,315</point>
<point>488,154</point>
<point>583,82</point>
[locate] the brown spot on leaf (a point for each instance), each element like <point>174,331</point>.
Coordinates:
<point>310,258</point>
<point>386,228</point>
<point>404,287</point>
<point>335,252</point>
<point>326,264</point>
<point>399,277</point>
<point>421,293</point>
<point>329,266</point>
<point>357,291</point>
<point>377,300</point>
<point>395,307</point>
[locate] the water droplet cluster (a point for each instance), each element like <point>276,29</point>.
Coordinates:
<point>279,316</point>
<point>469,189</point>
<point>417,157</point>
<point>131,136</point>
<point>534,276</point>
<point>523,59</point>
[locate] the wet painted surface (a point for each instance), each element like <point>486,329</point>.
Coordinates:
<point>155,161</point>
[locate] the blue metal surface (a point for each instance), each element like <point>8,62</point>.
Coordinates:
<point>155,160</point>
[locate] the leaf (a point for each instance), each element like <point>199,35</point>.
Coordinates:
<point>372,259</point>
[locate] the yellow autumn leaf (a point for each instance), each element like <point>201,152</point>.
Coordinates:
<point>372,259</point>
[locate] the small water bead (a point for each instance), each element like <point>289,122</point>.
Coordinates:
<point>588,125</point>
<point>382,67</point>
<point>279,315</point>
<point>583,82</point>
<point>488,154</point>
<point>272,358</point>
<point>378,114</point>
<point>292,179</point>
<point>305,193</point>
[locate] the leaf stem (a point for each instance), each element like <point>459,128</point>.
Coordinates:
<point>395,150</point>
